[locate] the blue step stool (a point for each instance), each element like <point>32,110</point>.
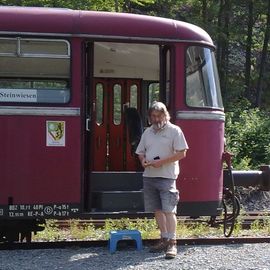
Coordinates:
<point>116,236</point>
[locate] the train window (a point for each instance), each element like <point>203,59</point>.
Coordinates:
<point>99,103</point>
<point>133,102</point>
<point>24,47</point>
<point>168,77</point>
<point>153,93</point>
<point>202,82</point>
<point>117,89</point>
<point>8,46</point>
<point>44,48</point>
<point>37,84</point>
<point>46,78</point>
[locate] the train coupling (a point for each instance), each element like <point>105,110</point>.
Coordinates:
<point>260,178</point>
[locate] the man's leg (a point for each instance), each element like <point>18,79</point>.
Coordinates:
<point>170,198</point>
<point>171,224</point>
<point>161,222</point>
<point>152,203</point>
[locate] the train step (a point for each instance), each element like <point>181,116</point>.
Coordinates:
<point>115,181</point>
<point>115,201</point>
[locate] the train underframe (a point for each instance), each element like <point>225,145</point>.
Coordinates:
<point>15,230</point>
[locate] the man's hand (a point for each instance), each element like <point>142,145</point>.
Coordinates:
<point>175,157</point>
<point>144,162</point>
<point>156,163</point>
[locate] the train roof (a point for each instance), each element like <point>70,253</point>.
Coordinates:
<point>59,21</point>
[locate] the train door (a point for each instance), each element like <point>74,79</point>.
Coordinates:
<point>118,77</point>
<point>111,146</point>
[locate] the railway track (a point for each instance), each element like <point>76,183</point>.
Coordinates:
<point>246,220</point>
<point>104,243</point>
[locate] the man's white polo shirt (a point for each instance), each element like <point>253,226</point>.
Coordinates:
<point>162,144</point>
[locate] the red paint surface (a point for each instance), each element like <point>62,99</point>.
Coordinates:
<point>30,171</point>
<point>201,177</point>
<point>99,131</point>
<point>117,134</point>
<point>50,20</point>
<point>116,130</point>
<point>132,161</point>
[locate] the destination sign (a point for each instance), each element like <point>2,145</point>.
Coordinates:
<point>18,95</point>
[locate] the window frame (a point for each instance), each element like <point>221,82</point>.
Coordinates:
<point>163,68</point>
<point>148,92</point>
<point>130,95</point>
<point>69,80</point>
<point>103,99</point>
<point>30,55</point>
<point>212,50</point>
<point>114,111</point>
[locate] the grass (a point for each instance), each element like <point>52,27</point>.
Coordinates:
<point>51,233</point>
<point>147,227</point>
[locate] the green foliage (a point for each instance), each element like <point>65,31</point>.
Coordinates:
<point>226,21</point>
<point>247,137</point>
<point>142,2</point>
<point>83,231</point>
<point>247,130</point>
<point>147,227</point>
<point>256,226</point>
<point>237,227</point>
<point>100,5</point>
<point>51,232</point>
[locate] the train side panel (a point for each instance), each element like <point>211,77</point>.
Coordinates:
<point>201,179</point>
<point>33,171</point>
<point>41,155</point>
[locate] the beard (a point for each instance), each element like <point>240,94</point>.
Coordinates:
<point>159,125</point>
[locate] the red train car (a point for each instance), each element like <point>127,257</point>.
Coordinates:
<point>66,80</point>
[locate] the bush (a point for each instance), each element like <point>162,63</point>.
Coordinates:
<point>247,135</point>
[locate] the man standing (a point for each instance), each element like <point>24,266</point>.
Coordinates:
<point>161,147</point>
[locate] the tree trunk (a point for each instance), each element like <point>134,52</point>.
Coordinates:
<point>223,43</point>
<point>248,49</point>
<point>225,52</point>
<point>116,5</point>
<point>204,12</point>
<point>219,39</point>
<point>263,59</point>
<point>127,6</point>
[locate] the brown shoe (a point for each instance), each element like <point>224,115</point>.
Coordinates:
<point>160,246</point>
<point>171,249</point>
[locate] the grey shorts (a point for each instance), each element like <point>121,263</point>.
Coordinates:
<point>160,194</point>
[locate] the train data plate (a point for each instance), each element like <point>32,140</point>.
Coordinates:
<point>39,210</point>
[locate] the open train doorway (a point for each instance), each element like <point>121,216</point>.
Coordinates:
<point>124,78</point>
<point>112,143</point>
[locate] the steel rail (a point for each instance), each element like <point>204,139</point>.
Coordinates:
<point>147,242</point>
<point>246,220</point>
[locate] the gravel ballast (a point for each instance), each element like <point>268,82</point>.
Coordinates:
<point>252,199</point>
<point>233,257</point>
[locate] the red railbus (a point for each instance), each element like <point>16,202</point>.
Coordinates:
<point>67,79</point>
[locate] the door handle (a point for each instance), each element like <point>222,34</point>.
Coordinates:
<point>87,124</point>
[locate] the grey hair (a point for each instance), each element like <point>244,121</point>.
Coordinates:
<point>160,107</point>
